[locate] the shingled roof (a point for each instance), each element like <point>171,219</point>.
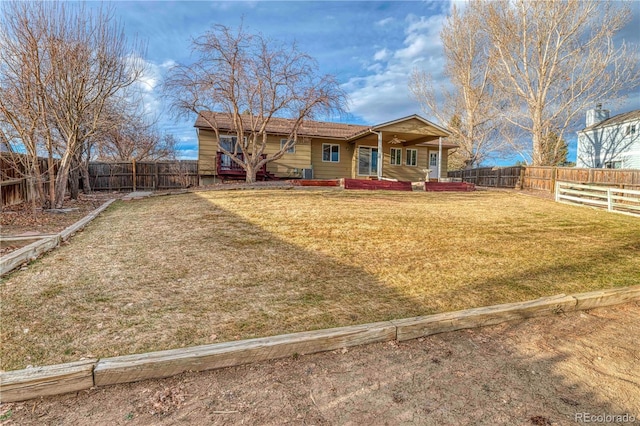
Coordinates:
<point>282,126</point>
<point>616,119</point>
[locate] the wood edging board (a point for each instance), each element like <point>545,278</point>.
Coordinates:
<point>31,383</point>
<point>412,328</point>
<point>70,230</point>
<point>131,368</point>
<point>29,253</point>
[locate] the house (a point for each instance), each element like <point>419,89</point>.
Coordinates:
<point>610,142</point>
<point>411,147</point>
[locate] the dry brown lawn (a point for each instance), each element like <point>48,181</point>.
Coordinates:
<point>206,267</point>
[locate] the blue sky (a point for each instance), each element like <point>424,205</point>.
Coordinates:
<point>371,47</point>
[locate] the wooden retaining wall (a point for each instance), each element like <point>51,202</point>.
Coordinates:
<point>57,379</point>
<point>29,253</point>
<point>377,185</point>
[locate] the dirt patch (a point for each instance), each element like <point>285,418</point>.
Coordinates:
<point>537,372</point>
<point>21,218</point>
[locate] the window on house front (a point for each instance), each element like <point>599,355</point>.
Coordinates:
<point>330,152</point>
<point>633,128</point>
<point>396,156</point>
<point>613,165</point>
<point>290,150</point>
<point>412,157</point>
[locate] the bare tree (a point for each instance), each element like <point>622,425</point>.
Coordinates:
<point>251,80</point>
<point>71,62</point>
<point>554,60</point>
<point>470,105</point>
<point>132,135</point>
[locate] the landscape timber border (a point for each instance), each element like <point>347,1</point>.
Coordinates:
<point>29,253</point>
<point>20,385</point>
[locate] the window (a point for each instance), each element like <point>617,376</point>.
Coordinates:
<point>291,150</point>
<point>613,165</point>
<point>433,159</point>
<point>228,142</point>
<point>330,153</point>
<point>633,128</point>
<point>396,156</point>
<point>412,157</point>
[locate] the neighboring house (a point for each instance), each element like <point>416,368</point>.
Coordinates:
<point>610,142</point>
<point>411,146</point>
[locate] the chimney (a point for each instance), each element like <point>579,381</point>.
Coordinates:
<point>597,115</point>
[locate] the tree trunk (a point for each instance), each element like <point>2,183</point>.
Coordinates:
<point>86,182</point>
<point>51,176</point>
<point>251,173</point>
<point>74,177</point>
<point>61,181</point>
<point>74,182</point>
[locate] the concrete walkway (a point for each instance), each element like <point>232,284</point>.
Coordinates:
<point>137,195</point>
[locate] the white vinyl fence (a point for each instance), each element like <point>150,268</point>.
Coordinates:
<point>617,200</point>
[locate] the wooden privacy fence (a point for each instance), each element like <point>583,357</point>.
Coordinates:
<point>496,177</point>
<point>617,200</point>
<point>119,176</point>
<point>15,181</point>
<point>545,178</point>
<point>134,175</point>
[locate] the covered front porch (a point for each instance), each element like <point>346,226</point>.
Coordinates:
<point>409,149</point>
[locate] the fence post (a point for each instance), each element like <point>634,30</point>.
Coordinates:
<point>609,200</point>
<point>133,163</point>
<point>554,177</point>
<point>156,178</point>
<point>558,191</point>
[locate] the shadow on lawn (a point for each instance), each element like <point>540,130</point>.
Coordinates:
<point>237,280</point>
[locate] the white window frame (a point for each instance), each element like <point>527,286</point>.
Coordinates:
<point>415,158</point>
<point>612,164</point>
<point>291,150</point>
<point>331,145</point>
<point>395,160</point>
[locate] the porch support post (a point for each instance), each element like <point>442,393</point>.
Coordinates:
<point>439,157</point>
<point>380,156</point>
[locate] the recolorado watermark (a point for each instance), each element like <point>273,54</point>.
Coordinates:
<point>604,418</point>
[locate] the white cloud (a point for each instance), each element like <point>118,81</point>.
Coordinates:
<point>382,54</point>
<point>384,94</point>
<point>385,21</point>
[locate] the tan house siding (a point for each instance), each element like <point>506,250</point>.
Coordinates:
<point>289,165</point>
<point>329,170</point>
<point>404,172</point>
<point>208,146</point>
<point>284,167</point>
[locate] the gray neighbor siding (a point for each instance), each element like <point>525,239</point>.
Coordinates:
<point>610,142</point>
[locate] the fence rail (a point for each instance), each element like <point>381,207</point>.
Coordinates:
<point>618,200</point>
<point>545,178</point>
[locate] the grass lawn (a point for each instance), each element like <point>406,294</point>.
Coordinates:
<point>206,267</point>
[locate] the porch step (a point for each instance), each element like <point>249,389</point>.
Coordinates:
<point>377,184</point>
<point>449,186</point>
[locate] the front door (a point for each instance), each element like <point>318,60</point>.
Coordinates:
<point>433,165</point>
<point>367,161</point>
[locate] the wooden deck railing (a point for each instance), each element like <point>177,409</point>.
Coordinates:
<point>226,166</point>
